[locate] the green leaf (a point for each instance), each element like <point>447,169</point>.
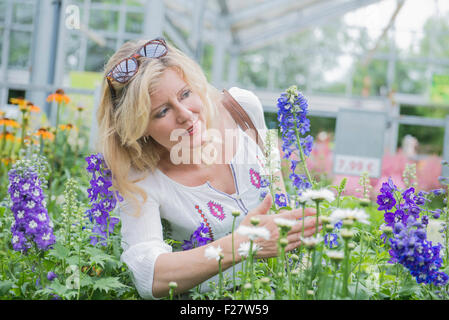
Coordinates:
<point>97,256</point>
<point>58,288</point>
<point>59,251</point>
<point>86,280</point>
<point>109,283</point>
<point>5,286</point>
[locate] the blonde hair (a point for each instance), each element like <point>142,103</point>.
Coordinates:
<point>121,128</point>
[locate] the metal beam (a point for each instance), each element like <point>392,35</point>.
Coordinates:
<point>5,51</point>
<point>196,39</point>
<point>297,22</point>
<point>154,20</point>
<point>45,43</point>
<point>277,7</point>
<point>178,38</point>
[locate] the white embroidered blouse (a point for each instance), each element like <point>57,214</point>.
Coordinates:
<point>186,208</point>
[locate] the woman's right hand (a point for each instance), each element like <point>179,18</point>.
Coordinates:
<point>269,248</point>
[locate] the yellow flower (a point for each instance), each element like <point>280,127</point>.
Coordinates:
<point>45,134</point>
<point>9,123</point>
<point>58,97</point>
<point>21,102</point>
<point>67,127</point>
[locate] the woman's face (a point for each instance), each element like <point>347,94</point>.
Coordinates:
<point>175,108</point>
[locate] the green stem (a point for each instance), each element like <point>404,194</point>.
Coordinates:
<point>55,146</point>
<point>346,269</point>
<point>317,216</point>
<point>290,297</point>
<point>3,140</point>
<point>233,254</point>
<point>220,278</point>
<point>360,264</point>
<point>446,228</point>
<point>301,153</point>
<point>333,282</point>
<point>312,263</point>
<point>396,280</point>
<point>24,124</point>
<point>251,269</point>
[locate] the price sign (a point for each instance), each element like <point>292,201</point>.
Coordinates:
<point>352,165</point>
<point>359,142</point>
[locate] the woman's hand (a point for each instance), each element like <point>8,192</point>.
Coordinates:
<point>269,248</point>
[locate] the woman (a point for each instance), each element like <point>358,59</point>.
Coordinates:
<point>169,142</point>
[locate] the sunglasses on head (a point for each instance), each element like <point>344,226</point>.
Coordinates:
<point>127,68</point>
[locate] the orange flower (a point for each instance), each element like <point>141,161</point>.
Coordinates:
<point>7,135</point>
<point>45,134</point>
<point>67,126</point>
<point>31,107</point>
<point>58,97</point>
<point>6,161</point>
<point>9,123</point>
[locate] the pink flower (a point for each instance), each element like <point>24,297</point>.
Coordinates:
<point>427,172</point>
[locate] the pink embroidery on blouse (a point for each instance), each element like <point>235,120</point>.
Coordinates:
<point>255,178</point>
<point>216,210</point>
<point>211,235</point>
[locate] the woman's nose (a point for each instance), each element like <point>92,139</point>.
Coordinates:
<point>183,113</point>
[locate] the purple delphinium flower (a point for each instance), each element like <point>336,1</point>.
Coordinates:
<point>51,276</point>
<point>198,238</point>
<point>281,199</point>
<point>409,244</point>
<point>386,201</point>
<point>436,213</point>
<point>331,239</point>
<point>292,117</point>
<point>102,199</point>
<point>410,247</point>
<point>264,184</point>
<point>32,223</point>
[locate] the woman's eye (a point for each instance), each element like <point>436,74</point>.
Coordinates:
<point>186,94</point>
<point>162,112</point>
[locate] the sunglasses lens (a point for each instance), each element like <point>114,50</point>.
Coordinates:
<point>125,70</point>
<point>154,49</point>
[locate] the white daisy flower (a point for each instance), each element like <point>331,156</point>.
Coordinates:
<point>243,249</point>
<point>309,196</point>
<point>283,222</point>
<point>254,232</point>
<point>335,255</point>
<point>351,214</point>
<point>311,242</point>
<point>212,253</point>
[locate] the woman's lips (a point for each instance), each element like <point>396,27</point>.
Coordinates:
<point>192,129</point>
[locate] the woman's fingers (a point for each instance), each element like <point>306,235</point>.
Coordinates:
<point>309,222</point>
<point>297,213</point>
